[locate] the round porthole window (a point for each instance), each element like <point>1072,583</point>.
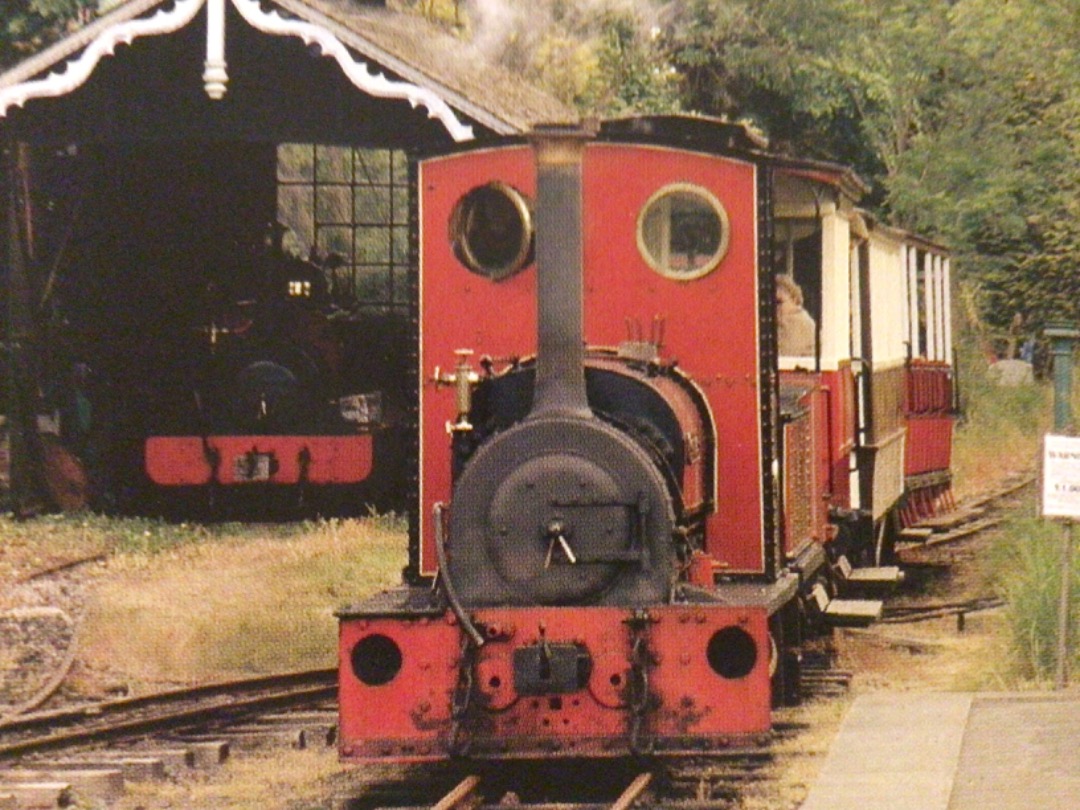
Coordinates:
<point>683,231</point>
<point>491,229</point>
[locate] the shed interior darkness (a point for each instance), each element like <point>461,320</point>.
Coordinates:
<point>149,205</point>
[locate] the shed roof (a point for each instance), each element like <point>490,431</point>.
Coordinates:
<point>429,56</point>
<point>405,45</point>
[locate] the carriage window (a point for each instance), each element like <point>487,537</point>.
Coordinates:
<point>491,230</point>
<point>683,231</point>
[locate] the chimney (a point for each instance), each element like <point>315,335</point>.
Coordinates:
<point>560,370</point>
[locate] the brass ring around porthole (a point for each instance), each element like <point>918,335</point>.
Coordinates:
<point>683,231</point>
<point>491,229</point>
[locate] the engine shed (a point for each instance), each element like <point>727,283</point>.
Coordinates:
<point>210,239</point>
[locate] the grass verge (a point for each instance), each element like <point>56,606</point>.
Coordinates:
<point>1026,560</point>
<point>255,601</point>
<point>1000,428</point>
<point>181,603</point>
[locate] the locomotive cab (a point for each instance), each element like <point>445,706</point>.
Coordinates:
<point>561,485</point>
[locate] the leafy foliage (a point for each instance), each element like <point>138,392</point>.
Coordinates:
<point>998,174</point>
<point>26,26</point>
<point>1027,559</point>
<point>963,115</point>
<point>604,56</point>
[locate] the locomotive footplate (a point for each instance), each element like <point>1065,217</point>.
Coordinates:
<point>550,681</point>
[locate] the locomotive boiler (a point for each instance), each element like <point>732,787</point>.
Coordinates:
<point>628,506</point>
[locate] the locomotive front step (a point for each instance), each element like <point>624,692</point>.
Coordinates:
<point>950,520</point>
<point>916,534</point>
<point>882,578</point>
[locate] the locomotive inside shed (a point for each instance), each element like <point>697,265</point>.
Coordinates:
<point>232,289</point>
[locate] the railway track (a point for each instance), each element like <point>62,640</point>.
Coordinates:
<point>203,707</point>
<point>714,783</point>
<point>911,614</point>
<point>472,793</point>
<point>200,724</point>
<point>970,518</point>
<point>947,547</point>
<point>88,755</point>
<point>718,780</point>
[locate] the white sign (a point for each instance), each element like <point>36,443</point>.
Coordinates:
<point>1061,476</point>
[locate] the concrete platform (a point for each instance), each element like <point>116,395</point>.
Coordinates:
<point>953,751</point>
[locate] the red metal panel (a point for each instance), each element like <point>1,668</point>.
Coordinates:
<point>929,445</point>
<point>929,387</point>
<point>459,309</point>
<point>693,699</point>
<point>841,403</point>
<point>711,323</point>
<point>929,418</point>
<point>182,460</point>
<point>691,427</point>
<point>817,400</point>
<point>407,717</point>
<point>579,722</point>
<point>799,514</point>
<point>690,703</point>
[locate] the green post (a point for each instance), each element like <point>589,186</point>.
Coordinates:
<point>1062,339</point>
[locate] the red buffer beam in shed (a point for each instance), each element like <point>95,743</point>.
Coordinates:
<point>198,460</point>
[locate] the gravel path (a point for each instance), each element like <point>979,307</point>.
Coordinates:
<point>39,620</point>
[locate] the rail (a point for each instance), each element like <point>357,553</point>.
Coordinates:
<point>467,795</point>
<point>210,703</point>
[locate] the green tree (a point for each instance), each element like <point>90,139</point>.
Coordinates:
<point>847,80</point>
<point>963,114</point>
<point>27,26</point>
<point>603,56</point>
<point>998,174</point>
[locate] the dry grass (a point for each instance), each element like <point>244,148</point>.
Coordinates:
<point>261,780</point>
<point>191,603</point>
<point>249,603</point>
<point>929,656</point>
<point>1026,558</point>
<point>1000,432</point>
<point>27,547</point>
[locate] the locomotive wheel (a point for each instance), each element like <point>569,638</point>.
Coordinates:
<point>561,511</point>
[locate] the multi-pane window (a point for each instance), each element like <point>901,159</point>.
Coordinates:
<point>348,209</point>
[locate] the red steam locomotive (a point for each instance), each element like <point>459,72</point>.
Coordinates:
<point>658,442</point>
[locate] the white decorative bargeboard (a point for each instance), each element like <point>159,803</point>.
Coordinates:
<point>74,73</point>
